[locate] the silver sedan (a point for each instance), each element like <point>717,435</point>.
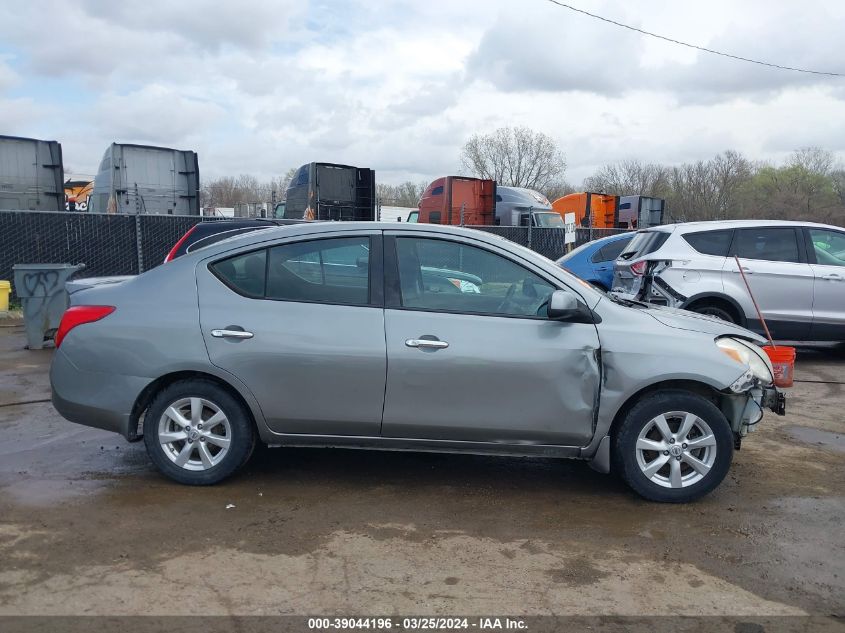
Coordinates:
<point>415,337</point>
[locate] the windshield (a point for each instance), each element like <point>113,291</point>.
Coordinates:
<point>548,218</point>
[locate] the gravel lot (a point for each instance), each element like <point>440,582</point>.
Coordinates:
<point>88,527</point>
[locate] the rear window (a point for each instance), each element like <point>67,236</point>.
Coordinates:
<point>710,242</point>
<point>644,243</point>
<point>609,252</point>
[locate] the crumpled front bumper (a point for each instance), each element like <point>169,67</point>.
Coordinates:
<point>774,400</point>
<point>745,410</point>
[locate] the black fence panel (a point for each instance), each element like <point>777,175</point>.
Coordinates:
<point>119,244</point>
<point>106,244</point>
<point>159,233</point>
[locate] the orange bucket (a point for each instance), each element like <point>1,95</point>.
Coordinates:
<point>783,362</point>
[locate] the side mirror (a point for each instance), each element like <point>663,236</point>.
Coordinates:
<point>563,306</point>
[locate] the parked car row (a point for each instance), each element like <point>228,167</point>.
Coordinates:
<point>796,272</point>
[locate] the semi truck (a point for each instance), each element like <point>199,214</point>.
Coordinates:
<point>597,210</point>
<point>146,179</point>
<point>518,206</point>
<point>327,191</point>
<point>641,212</point>
<point>31,174</point>
<point>458,200</point>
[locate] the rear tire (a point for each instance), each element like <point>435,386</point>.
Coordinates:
<point>673,446</point>
<point>716,310</point>
<point>197,433</point>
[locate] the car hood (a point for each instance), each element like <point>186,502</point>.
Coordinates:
<point>685,320</point>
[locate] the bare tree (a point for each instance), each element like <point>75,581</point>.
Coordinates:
<point>229,191</point>
<point>630,178</point>
<point>515,157</point>
<point>406,194</point>
<point>709,190</point>
<point>557,190</point>
<point>810,185</point>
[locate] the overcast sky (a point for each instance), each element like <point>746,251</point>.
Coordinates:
<point>259,87</point>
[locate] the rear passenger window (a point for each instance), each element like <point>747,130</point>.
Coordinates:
<point>710,242</point>
<point>609,252</point>
<point>245,274</point>
<point>768,243</point>
<point>325,271</point>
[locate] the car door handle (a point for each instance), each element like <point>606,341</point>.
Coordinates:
<point>832,277</point>
<point>426,343</point>
<point>231,334</point>
<point>747,271</point>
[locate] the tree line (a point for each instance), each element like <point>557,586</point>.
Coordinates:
<point>809,185</point>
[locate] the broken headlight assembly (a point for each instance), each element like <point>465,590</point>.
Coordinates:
<point>744,353</point>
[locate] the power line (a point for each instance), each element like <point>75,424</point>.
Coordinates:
<point>699,48</point>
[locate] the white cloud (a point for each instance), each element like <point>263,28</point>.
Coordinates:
<point>156,114</point>
<point>8,77</point>
<point>258,87</point>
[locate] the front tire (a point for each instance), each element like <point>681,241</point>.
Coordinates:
<point>673,446</point>
<point>197,433</point>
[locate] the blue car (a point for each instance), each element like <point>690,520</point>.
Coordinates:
<point>593,261</point>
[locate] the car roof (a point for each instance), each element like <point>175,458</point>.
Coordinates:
<point>688,227</point>
<point>317,228</point>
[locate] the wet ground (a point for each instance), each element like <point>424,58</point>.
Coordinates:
<point>88,527</point>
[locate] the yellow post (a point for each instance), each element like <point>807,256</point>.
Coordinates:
<point>5,291</point>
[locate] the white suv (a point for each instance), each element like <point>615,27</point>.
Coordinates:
<point>796,271</point>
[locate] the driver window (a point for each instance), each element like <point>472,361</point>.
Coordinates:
<point>829,246</point>
<point>453,277</point>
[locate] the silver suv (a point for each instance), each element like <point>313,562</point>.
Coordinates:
<point>796,271</point>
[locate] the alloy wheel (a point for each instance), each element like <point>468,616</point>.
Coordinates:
<point>194,433</point>
<point>676,449</point>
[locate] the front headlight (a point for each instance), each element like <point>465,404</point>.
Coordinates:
<point>748,354</point>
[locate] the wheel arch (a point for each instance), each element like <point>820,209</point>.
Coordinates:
<point>148,393</point>
<point>693,386</point>
<point>716,297</point>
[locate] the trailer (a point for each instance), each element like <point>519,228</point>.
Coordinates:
<point>328,191</point>
<point>641,212</point>
<point>31,174</point>
<point>458,200</point>
<point>144,179</point>
<point>596,210</point>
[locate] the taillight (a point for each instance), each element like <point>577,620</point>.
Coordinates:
<point>78,315</point>
<point>638,268</point>
<point>172,254</point>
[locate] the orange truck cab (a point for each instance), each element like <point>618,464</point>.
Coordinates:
<point>598,210</point>
<point>443,200</point>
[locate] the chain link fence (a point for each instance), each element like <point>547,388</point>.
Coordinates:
<point>108,244</point>
<point>115,244</point>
